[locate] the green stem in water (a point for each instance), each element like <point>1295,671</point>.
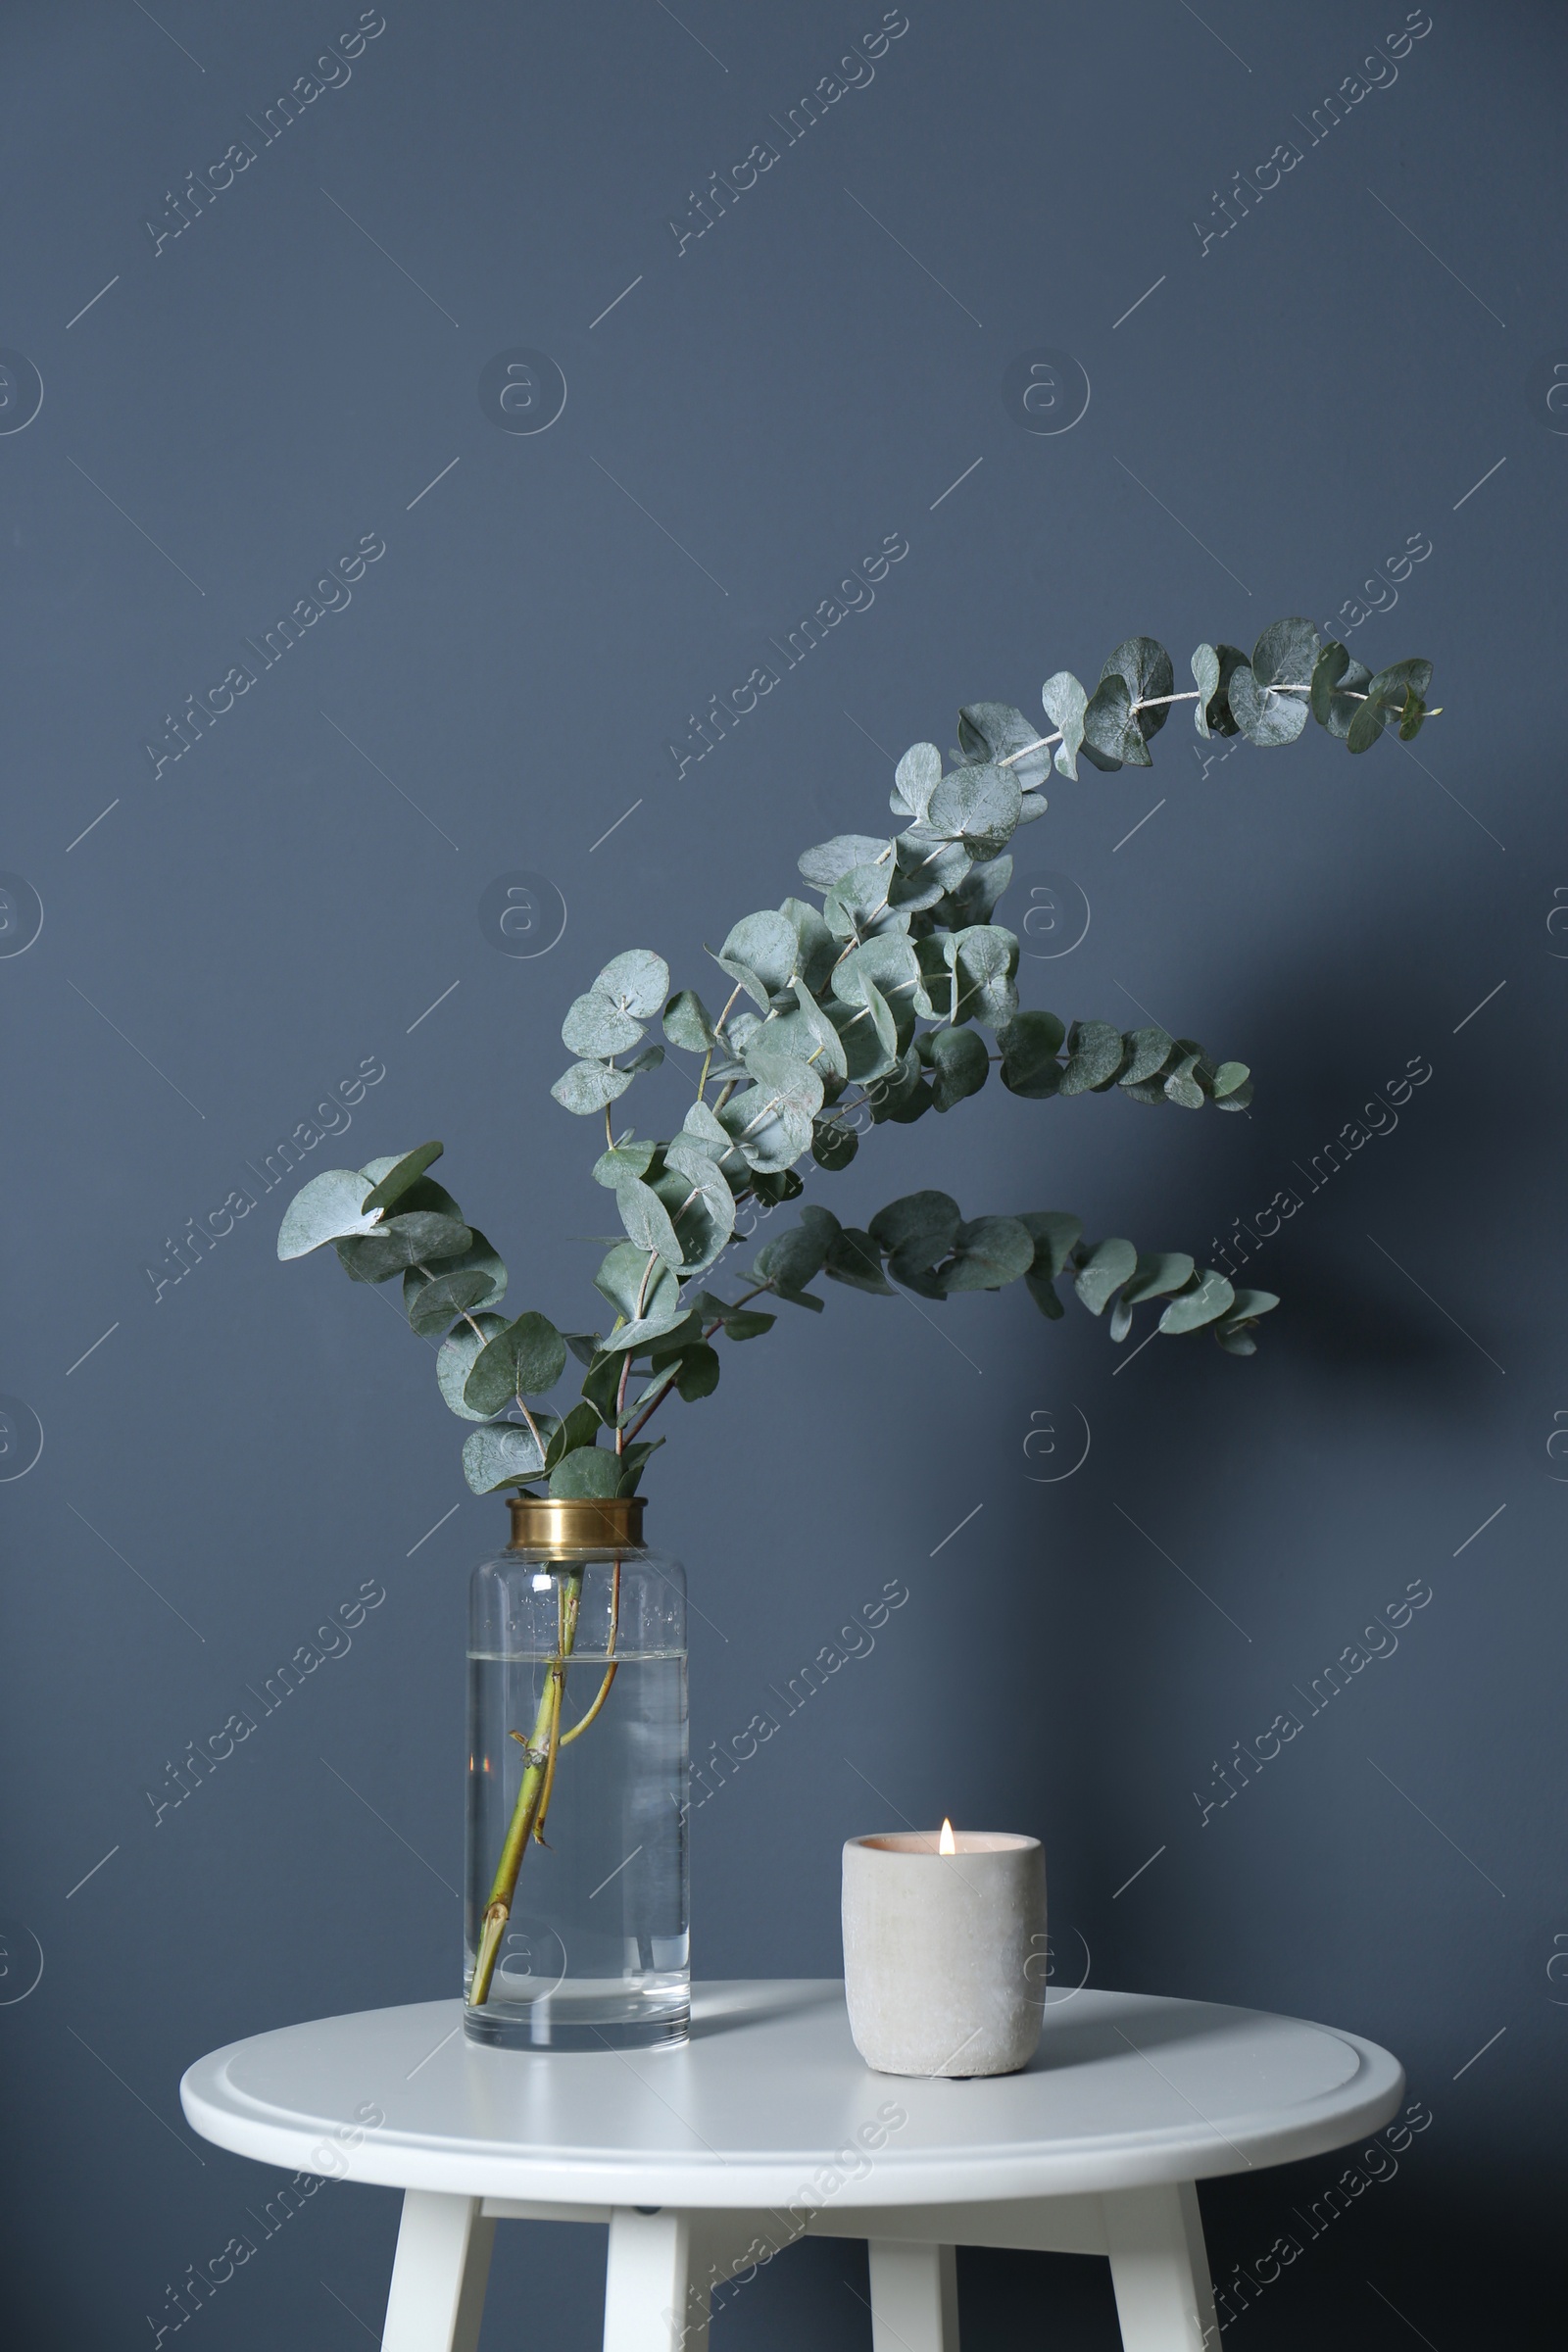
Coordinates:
<point>531,1795</point>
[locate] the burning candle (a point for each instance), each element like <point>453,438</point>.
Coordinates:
<point>944,1950</point>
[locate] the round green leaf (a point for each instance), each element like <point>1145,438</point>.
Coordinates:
<point>525,1358</point>
<point>831,860</point>
<point>988,1253</point>
<point>978,806</point>
<point>833,1146</point>
<point>421,1237</point>
<point>914,780</point>
<point>1213,1297</point>
<point>1030,1043</point>
<point>455,1360</point>
<point>589,1472</point>
<point>1144,668</point>
<point>688,1023</point>
<point>1065,703</point>
<point>1204,668</point>
<point>854,1258</point>
<point>329,1208</point>
<point>638,982</point>
<point>962,1064</point>
<point>499,1454</point>
<point>1265,718</point>
<point>1157,1275</point>
<point>1104,1270</point>
<point>594,1027</point>
<point>588,1085</point>
<point>401,1174</point>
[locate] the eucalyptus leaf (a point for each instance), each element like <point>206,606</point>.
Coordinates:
<point>914,780</point>
<point>400,1175</point>
<point>930,867</point>
<point>816,948</point>
<point>796,1255</point>
<point>697,1372</point>
<point>579,1428</point>
<point>688,1023</point>
<point>434,1305</point>
<point>594,1027</point>
<point>1182,1086</point>
<point>738,1322</point>
<point>854,1258</point>
<point>589,1473</point>
<point>402,1242</point>
<point>833,1146</point>
<point>525,1358</point>
<point>1151,1050</point>
<point>480,1257</point>
<point>760,953</point>
<point>637,1283</point>
<point>1095,1052</point>
<point>1339,686</point>
<point>973,902</point>
<point>1109,727</point>
<point>630,1157</point>
<point>1386,695</point>
<point>647,1220</point>
<point>1065,703</point>
<point>1204,668</point>
<point>1283,657</point>
<point>1265,718</point>
<point>830,860</point>
<point>588,1085</point>
<point>1030,1044</point>
<point>1191,1309</point>
<point>917,1223</point>
<point>962,1063</point>
<point>977,806</point>
<point>329,1208</point>
<point>1144,668</point>
<point>1217,719</point>
<point>889,963</point>
<point>501,1454</point>
<point>997,731</point>
<point>1104,1270</point>
<point>638,982</point>
<point>1157,1274</point>
<point>987,959</point>
<point>455,1360</point>
<point>1055,1236</point>
<point>987,1253</point>
<point>857,906</point>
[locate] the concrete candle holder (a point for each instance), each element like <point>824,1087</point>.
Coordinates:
<point>945,1951</point>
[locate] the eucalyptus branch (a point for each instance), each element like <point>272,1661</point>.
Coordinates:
<point>881,1001</point>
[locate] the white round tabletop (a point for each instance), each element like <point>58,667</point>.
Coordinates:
<point>1126,2089</point>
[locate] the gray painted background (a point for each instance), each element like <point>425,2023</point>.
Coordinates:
<point>1278,408</point>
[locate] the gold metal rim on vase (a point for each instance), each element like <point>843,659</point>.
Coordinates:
<point>576,1523</point>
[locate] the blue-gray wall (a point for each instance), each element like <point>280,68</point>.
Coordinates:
<point>1287,391</point>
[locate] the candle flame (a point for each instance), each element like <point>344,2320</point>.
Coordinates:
<point>946,1844</point>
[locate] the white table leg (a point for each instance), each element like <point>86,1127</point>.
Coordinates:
<point>914,2296</point>
<point>439,2276</point>
<point>1159,2270</point>
<point>652,2301</point>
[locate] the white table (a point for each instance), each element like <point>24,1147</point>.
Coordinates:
<point>767,2125</point>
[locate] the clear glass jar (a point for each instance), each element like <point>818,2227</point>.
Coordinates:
<point>575,1928</point>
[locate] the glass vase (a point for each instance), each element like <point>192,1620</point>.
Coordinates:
<point>576,1927</point>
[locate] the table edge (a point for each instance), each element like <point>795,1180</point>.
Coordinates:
<point>1256,2142</point>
